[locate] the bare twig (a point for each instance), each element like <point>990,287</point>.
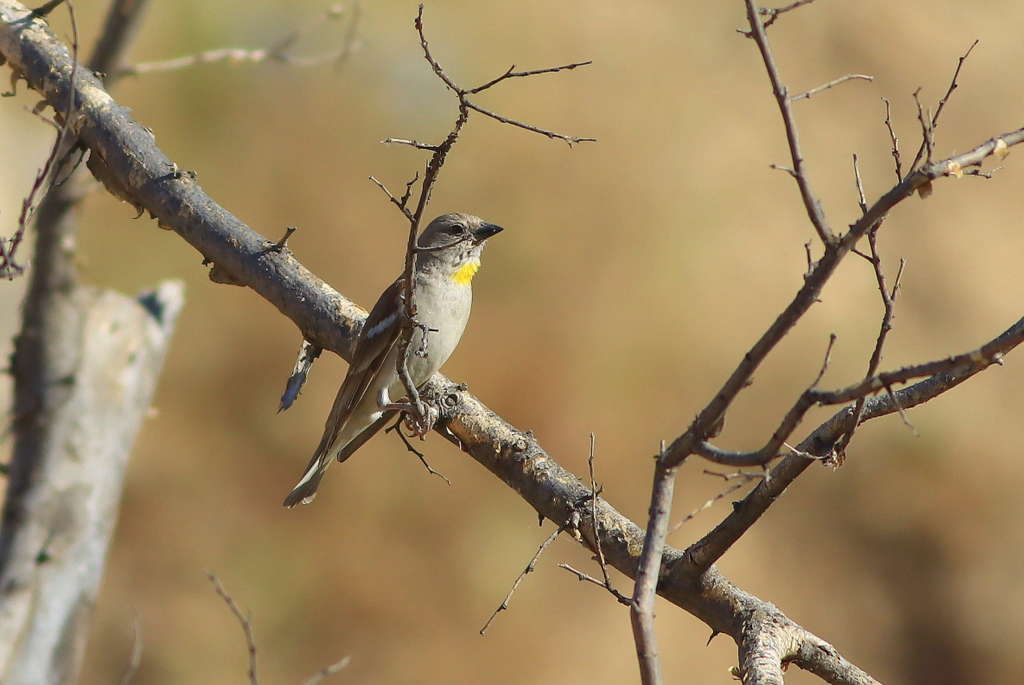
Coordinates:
<point>773,13</point>
<point>400,203</point>
<point>397,427</point>
<point>328,670</point>
<point>830,84</point>
<point>741,478</point>
<point>245,620</point>
<point>543,131</point>
<point>861,200</point>
<point>594,491</point>
<point>62,145</point>
<point>889,305</point>
<point>277,53</point>
<point>895,141</point>
<point>522,576</point>
<point>583,577</point>
<point>813,207</point>
<point>932,123</point>
<point>789,424</point>
<point>511,73</point>
<point>809,293</point>
<point>927,132</point>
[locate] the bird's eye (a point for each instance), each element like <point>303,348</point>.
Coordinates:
<point>457,229</point>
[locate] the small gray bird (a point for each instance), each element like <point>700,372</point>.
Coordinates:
<point>448,258</point>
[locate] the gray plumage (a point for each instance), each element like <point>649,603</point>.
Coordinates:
<point>449,256</point>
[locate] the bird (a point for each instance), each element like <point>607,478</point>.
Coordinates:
<point>447,258</point>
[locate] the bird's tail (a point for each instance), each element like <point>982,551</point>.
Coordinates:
<point>305,491</point>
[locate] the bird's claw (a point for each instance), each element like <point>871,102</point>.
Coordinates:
<point>419,427</point>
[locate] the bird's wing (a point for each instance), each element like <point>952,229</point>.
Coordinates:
<point>379,334</point>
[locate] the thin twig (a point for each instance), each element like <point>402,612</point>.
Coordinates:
<point>888,313</point>
<point>401,204</point>
<point>328,670</point>
<point>901,410</point>
<point>830,84</point>
<point>244,620</point>
<point>583,577</point>
<point>933,121</point>
<point>895,142</point>
<point>861,200</point>
<point>593,515</point>
<point>742,478</point>
<point>62,145</point>
<point>397,427</point>
<point>927,132</point>
<point>571,140</point>
<point>522,576</point>
<point>519,74</point>
<point>773,13</point>
<point>276,53</point>
<point>811,204</point>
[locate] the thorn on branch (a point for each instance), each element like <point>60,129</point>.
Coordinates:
<point>283,242</point>
<point>777,167</point>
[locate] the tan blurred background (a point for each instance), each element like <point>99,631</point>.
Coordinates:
<point>634,273</point>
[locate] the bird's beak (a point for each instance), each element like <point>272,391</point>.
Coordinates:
<point>486,231</point>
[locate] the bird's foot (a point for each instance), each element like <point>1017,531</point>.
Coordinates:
<point>417,425</point>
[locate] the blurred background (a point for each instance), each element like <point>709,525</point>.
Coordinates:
<point>633,275</point>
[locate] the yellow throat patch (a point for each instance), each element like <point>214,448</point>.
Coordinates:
<point>465,275</point>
